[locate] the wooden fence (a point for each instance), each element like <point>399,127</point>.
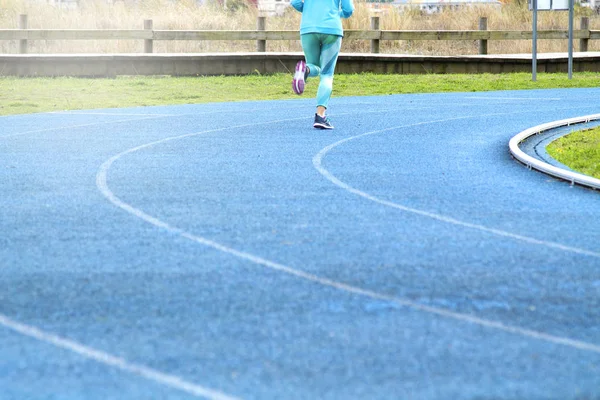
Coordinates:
<point>148,35</point>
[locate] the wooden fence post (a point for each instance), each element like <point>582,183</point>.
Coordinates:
<point>148,43</point>
<point>23,25</point>
<point>261,25</point>
<point>584,24</point>
<point>483,43</point>
<point>375,42</point>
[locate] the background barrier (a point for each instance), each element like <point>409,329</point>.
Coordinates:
<point>262,62</point>
<point>261,36</point>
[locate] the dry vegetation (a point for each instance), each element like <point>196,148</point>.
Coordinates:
<point>189,15</point>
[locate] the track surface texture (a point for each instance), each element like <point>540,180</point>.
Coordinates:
<point>232,251</point>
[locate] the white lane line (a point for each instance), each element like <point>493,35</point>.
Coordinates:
<point>101,183</point>
<point>513,98</point>
<point>106,358</point>
<point>145,117</point>
<point>172,381</point>
<point>117,362</point>
<point>115,114</point>
<point>178,383</point>
<point>318,164</point>
<point>58,128</point>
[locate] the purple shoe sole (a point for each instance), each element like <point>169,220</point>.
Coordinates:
<point>298,81</point>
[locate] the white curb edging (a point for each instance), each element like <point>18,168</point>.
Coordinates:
<point>531,162</point>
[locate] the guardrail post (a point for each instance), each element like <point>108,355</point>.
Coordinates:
<point>148,43</point>
<point>23,25</point>
<point>375,42</point>
<point>483,43</point>
<point>584,24</point>
<point>261,25</point>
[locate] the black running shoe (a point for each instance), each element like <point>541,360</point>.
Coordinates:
<point>322,122</point>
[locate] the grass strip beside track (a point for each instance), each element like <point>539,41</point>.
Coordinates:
<point>579,150</point>
<point>33,95</point>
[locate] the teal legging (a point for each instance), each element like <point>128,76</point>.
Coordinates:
<point>321,52</point>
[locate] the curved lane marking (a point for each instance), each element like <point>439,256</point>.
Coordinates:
<point>318,164</point>
<point>145,117</point>
<point>101,183</point>
<point>102,357</point>
<point>58,128</point>
<point>110,360</point>
<point>197,390</point>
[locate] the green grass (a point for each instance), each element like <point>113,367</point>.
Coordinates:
<point>579,150</point>
<point>31,95</point>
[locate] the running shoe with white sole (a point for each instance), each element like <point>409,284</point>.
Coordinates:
<point>322,122</point>
<point>299,77</point>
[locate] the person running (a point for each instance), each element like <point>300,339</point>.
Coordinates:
<point>321,35</point>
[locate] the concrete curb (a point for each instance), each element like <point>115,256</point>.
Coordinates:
<point>193,64</point>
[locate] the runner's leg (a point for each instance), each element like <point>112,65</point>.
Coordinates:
<point>330,49</point>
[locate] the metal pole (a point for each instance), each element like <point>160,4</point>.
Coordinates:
<point>571,6</point>
<point>534,44</point>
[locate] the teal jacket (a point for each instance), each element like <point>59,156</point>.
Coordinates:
<point>323,16</point>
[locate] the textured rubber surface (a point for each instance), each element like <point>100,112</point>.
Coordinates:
<point>233,250</point>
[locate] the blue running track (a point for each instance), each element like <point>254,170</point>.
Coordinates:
<point>232,251</point>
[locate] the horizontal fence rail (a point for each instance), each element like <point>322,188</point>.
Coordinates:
<point>146,62</point>
<point>124,34</point>
<point>260,35</point>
